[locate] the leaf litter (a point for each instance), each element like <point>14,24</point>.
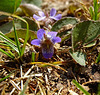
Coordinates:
<point>52,76</point>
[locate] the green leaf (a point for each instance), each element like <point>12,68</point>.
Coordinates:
<point>16,40</point>
<point>79,57</point>
<point>7,76</point>
<point>90,44</point>
<point>66,37</point>
<point>19,12</point>
<point>80,87</point>
<point>22,25</point>
<point>1,50</point>
<point>64,21</point>
<point>9,5</point>
<point>84,33</point>
<point>32,25</point>
<point>21,34</point>
<point>12,46</point>
<point>98,58</point>
<point>3,44</point>
<point>29,9</point>
<point>98,15</point>
<point>98,93</point>
<point>3,17</point>
<point>91,11</point>
<point>33,56</point>
<point>96,7</point>
<point>5,28</point>
<point>7,39</point>
<point>8,42</point>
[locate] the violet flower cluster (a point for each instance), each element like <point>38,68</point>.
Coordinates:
<point>46,40</point>
<point>43,17</point>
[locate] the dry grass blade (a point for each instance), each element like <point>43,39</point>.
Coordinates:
<point>54,64</point>
<point>47,85</point>
<point>41,88</point>
<point>59,93</point>
<point>36,75</point>
<point>22,41</point>
<point>15,85</point>
<point>21,72</point>
<point>14,89</point>
<point>83,6</point>
<point>3,91</point>
<point>73,93</point>
<point>28,71</point>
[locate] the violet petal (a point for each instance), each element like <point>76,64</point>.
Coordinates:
<point>35,42</point>
<point>57,17</point>
<point>53,12</point>
<point>36,17</point>
<point>40,33</point>
<point>52,34</point>
<point>41,18</point>
<point>41,13</point>
<point>48,51</point>
<point>56,40</point>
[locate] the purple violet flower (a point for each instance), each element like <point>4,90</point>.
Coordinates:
<point>43,17</point>
<point>46,42</point>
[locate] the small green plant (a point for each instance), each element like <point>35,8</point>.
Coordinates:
<point>8,8</point>
<point>80,87</point>
<point>15,45</point>
<point>94,10</point>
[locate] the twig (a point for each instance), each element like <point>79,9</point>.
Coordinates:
<point>14,89</point>
<point>36,75</point>
<point>28,71</point>
<point>15,85</point>
<point>21,77</point>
